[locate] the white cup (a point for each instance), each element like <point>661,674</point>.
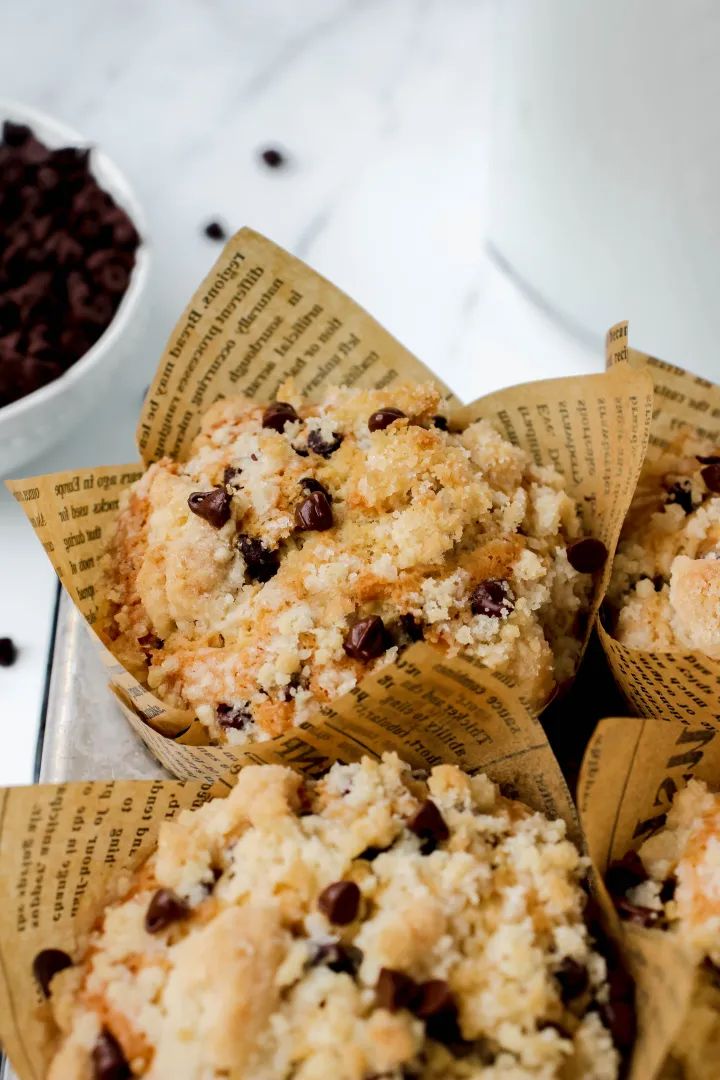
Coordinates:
<point>606,166</point>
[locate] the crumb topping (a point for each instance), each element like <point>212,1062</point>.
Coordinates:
<point>235,581</point>
<point>371,924</point>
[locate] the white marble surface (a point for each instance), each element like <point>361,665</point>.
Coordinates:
<point>382,107</point>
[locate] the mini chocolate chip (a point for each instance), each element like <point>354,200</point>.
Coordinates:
<point>47,964</point>
<point>436,1006</point>
<point>311,484</point>
<point>342,959</point>
<point>369,854</point>
<point>681,493</point>
<point>412,627</point>
<point>587,555</point>
<point>445,1028</point>
<point>314,513</point>
<point>366,639</point>
<point>667,890</point>
<point>215,231</point>
<point>150,641</point>
<point>212,506</point>
<point>395,990</point>
<point>166,907</point>
<point>711,476</point>
<point>261,563</point>
<point>429,825</point>
<point>573,979</point>
<point>321,446</point>
<point>493,598</point>
<point>8,652</point>
<point>272,157</point>
<point>435,997</point>
<point>440,422</point>
<point>301,451</point>
<point>230,472</point>
<point>340,902</point>
<point>278,414</point>
<point>235,717</point>
<point>708,459</point>
<point>624,874</point>
<point>108,1059</point>
<point>296,681</point>
<point>636,913</point>
<point>384,418</point>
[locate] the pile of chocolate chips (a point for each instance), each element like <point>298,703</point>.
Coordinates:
<point>66,255</point>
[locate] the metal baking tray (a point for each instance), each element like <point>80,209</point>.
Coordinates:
<point>83,734</point>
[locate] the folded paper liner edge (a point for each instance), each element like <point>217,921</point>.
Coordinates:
<point>593,428</point>
<point>66,848</point>
<point>684,684</point>
<point>631,769</point>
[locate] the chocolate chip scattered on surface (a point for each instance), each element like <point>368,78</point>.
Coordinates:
<point>8,652</point>
<point>215,230</point>
<point>272,157</point>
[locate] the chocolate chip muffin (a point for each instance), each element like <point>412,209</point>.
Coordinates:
<point>666,576</point>
<point>300,546</point>
<point>673,883</point>
<point>673,880</point>
<point>369,924</point>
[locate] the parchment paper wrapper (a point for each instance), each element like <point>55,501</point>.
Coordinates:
<point>261,316</point>
<point>66,849</point>
<point>682,685</point>
<point>631,770</point>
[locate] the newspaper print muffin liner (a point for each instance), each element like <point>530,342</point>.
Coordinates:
<point>260,317</point>
<point>683,685</point>
<point>66,850</point>
<point>631,770</point>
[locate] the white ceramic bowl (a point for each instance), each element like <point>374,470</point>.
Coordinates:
<point>36,421</point>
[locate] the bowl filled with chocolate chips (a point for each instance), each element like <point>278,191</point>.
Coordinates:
<point>73,270</point>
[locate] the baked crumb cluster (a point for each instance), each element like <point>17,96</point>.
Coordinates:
<point>372,924</point>
<point>666,575</point>
<point>300,546</point>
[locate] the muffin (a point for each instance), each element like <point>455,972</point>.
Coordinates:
<point>674,879</point>
<point>673,884</point>
<point>666,575</point>
<point>369,924</point>
<point>301,546</point>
